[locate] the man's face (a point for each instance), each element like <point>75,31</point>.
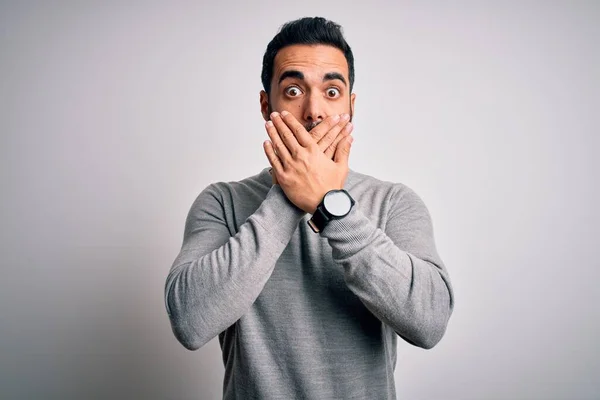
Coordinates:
<point>311,82</point>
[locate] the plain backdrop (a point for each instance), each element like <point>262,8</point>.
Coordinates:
<point>115,115</point>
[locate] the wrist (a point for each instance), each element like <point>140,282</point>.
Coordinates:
<point>336,204</point>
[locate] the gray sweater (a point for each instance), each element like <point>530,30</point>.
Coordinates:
<point>302,315</point>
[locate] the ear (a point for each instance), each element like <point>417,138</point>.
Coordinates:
<point>264,105</point>
<point>352,98</point>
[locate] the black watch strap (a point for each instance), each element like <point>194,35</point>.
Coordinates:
<point>318,220</point>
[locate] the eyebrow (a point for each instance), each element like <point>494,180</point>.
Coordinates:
<point>291,74</point>
<point>330,76</point>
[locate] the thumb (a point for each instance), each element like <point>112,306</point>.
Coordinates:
<point>342,153</point>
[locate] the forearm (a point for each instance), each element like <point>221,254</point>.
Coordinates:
<point>206,292</point>
<point>408,291</point>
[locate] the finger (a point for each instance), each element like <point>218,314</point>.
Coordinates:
<point>333,146</point>
<point>343,151</point>
<point>331,149</point>
<point>320,130</point>
<point>286,135</point>
<point>276,142</point>
<point>272,157</point>
<point>331,140</point>
<point>332,134</point>
<point>298,130</point>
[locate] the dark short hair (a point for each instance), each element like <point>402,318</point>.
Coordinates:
<point>310,31</point>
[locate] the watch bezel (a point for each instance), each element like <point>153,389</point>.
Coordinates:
<point>322,217</point>
<point>337,192</point>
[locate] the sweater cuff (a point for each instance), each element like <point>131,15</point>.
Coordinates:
<point>349,234</point>
<point>277,215</point>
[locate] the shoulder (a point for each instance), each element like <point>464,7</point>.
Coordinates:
<point>255,183</point>
<point>224,194</point>
<point>362,182</point>
<point>399,197</point>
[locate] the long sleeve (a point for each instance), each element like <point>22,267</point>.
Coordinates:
<point>218,275</point>
<point>396,272</point>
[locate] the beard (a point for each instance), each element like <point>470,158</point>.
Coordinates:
<point>311,125</point>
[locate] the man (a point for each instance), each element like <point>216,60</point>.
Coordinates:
<point>308,271</point>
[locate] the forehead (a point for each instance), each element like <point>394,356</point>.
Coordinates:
<point>313,61</point>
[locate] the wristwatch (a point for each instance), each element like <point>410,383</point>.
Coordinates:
<point>336,204</point>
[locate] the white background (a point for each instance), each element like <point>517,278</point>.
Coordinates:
<point>114,117</point>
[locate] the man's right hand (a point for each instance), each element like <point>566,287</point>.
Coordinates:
<point>328,135</point>
<point>303,170</point>
<point>330,132</point>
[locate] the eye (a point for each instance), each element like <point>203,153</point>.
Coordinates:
<point>333,93</point>
<point>293,91</point>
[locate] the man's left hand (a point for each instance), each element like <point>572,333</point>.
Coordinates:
<point>300,167</point>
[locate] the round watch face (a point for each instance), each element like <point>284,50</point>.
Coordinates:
<point>337,203</point>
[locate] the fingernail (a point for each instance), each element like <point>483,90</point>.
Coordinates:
<point>349,126</point>
<point>336,118</point>
<point>269,123</point>
<point>284,113</point>
<point>350,139</point>
<point>274,114</point>
<point>345,117</point>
